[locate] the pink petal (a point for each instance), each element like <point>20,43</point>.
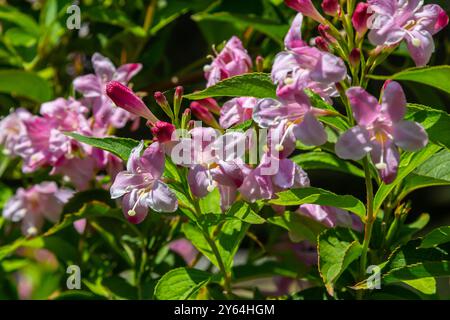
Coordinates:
<point>365,106</point>
<point>421,46</point>
<point>410,136</point>
<point>310,131</point>
<point>386,160</point>
<point>161,198</point>
<point>134,212</point>
<point>394,101</point>
<point>353,144</point>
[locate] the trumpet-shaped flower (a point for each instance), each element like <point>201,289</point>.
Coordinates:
<point>397,20</point>
<point>32,206</point>
<point>380,130</point>
<point>236,111</point>
<point>141,187</point>
<point>93,88</point>
<point>12,129</point>
<point>331,216</point>
<point>233,60</point>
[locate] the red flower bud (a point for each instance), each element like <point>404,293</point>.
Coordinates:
<point>321,44</point>
<point>355,57</point>
<point>360,17</point>
<point>162,131</point>
<point>201,112</point>
<point>126,99</point>
<point>323,31</point>
<point>330,7</point>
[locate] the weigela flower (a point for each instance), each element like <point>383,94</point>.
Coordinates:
<point>141,187</point>
<point>302,67</point>
<point>233,60</point>
<point>331,216</point>
<point>295,115</point>
<point>236,111</point>
<point>330,7</point>
<point>32,206</point>
<point>12,129</point>
<point>409,20</point>
<point>380,130</point>
<point>93,88</point>
<point>360,18</point>
<point>305,7</point>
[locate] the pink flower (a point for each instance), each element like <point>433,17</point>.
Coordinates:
<point>236,111</point>
<point>185,249</point>
<point>163,131</point>
<point>293,38</point>
<point>12,129</point>
<point>93,88</point>
<point>360,18</point>
<point>305,7</point>
<point>380,129</point>
<point>32,206</point>
<point>302,67</point>
<point>233,60</point>
<point>330,216</point>
<point>295,114</point>
<point>395,21</point>
<point>141,187</point>
<point>330,7</point>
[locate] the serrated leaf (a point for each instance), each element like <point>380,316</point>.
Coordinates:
<point>181,284</point>
<point>258,85</point>
<point>337,248</point>
<point>321,197</point>
<point>436,76</point>
<point>121,147</point>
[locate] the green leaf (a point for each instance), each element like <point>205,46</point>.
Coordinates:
<point>321,197</point>
<point>436,237</point>
<point>121,147</point>
<point>410,262</point>
<point>407,231</point>
<point>433,172</point>
<point>26,22</point>
<point>299,226</point>
<point>424,285</point>
<point>436,76</point>
<point>25,84</point>
<point>89,210</point>
<point>271,28</point>
<point>326,161</point>
<point>435,122</point>
<point>338,248</point>
<point>408,162</point>
<point>243,211</point>
<point>181,284</point>
<point>258,85</point>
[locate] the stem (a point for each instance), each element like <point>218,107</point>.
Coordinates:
<point>370,218</point>
<point>215,250</point>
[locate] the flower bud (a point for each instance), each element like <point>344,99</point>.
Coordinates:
<point>321,44</point>
<point>305,7</point>
<point>330,7</point>
<point>323,31</point>
<point>162,131</point>
<point>210,104</point>
<point>177,98</point>
<point>126,99</point>
<point>259,64</point>
<point>360,18</point>
<point>185,118</point>
<point>355,57</point>
<point>161,100</point>
<point>203,114</point>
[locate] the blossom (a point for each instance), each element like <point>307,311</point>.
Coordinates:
<point>93,88</point>
<point>141,187</point>
<point>330,216</point>
<point>33,205</point>
<point>12,128</point>
<point>301,67</point>
<point>236,111</point>
<point>360,18</point>
<point>272,175</point>
<point>411,21</point>
<point>330,7</point>
<point>296,114</point>
<point>305,7</point>
<point>380,129</point>
<point>233,60</point>
<point>184,248</point>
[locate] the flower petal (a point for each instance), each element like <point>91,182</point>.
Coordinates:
<point>285,176</point>
<point>199,181</point>
<point>310,131</point>
<point>161,198</point>
<point>153,160</point>
<point>103,67</point>
<point>410,136</point>
<point>134,208</point>
<point>421,46</point>
<point>394,101</point>
<point>365,106</point>
<point>386,159</point>
<point>125,182</point>
<point>353,144</point>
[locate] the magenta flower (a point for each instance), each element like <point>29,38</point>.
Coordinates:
<point>330,216</point>
<point>163,131</point>
<point>32,206</point>
<point>360,18</point>
<point>395,21</point>
<point>12,129</point>
<point>380,129</point>
<point>300,116</point>
<point>331,7</point>
<point>236,111</point>
<point>93,88</point>
<point>233,60</point>
<point>141,187</point>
